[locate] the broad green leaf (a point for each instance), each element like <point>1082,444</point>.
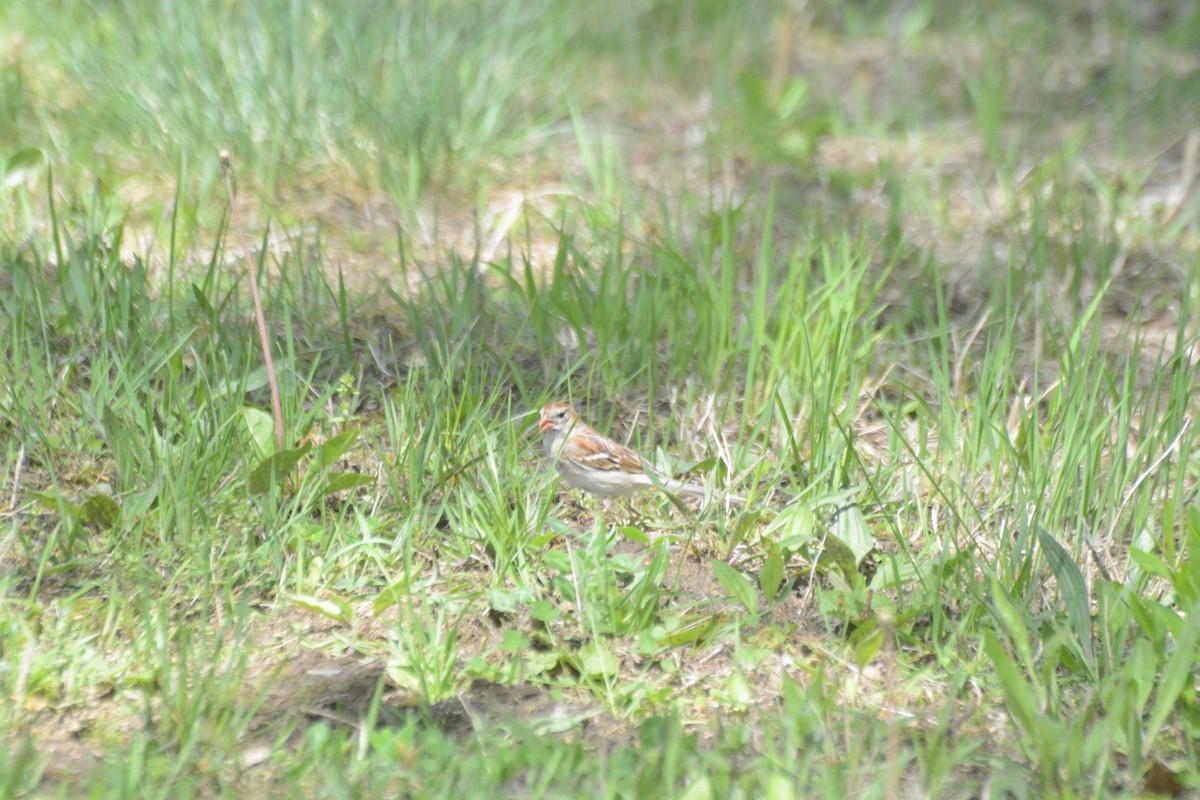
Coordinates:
<point>544,611</point>
<point>53,502</point>
<point>1073,591</point>
<point>1176,676</point>
<point>538,662</point>
<point>390,596</point>
<point>22,165</point>
<point>333,449</point>
<point>796,524</point>
<point>744,523</point>
<point>850,526</point>
<point>202,301</point>
<point>597,661</point>
<point>676,631</point>
<point>699,789</point>
<point>736,584</point>
<point>261,427</point>
<point>771,577</point>
<point>508,601</point>
<point>794,96</point>
<point>1155,627</point>
<point>383,601</point>
<point>895,574</point>
<point>1020,697</point>
<point>635,535</point>
<point>561,528</point>
<point>275,470</point>
<point>541,540</point>
<point>781,786</point>
<point>868,643</point>
<point>514,641</point>
<point>340,481</point>
<point>256,380</point>
<point>1012,622</point>
<point>738,690</point>
<point>1150,563</point>
<point>334,608</point>
<point>557,560</point>
<point>834,554</point>
<point>100,510</point>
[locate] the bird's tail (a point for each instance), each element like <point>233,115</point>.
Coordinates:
<point>696,490</point>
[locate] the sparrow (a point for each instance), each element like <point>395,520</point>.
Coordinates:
<point>589,460</point>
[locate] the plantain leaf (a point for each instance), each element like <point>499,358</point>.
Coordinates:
<point>1073,591</point>
<point>771,577</point>
<point>53,502</point>
<point>836,554</point>
<point>334,608</point>
<point>678,631</point>
<point>273,471</point>
<point>340,481</point>
<point>333,449</point>
<point>596,661</point>
<point>262,430</point>
<point>1020,697</point>
<point>850,526</point>
<point>868,642</point>
<point>1012,622</point>
<point>202,301</point>
<point>737,585</point>
<point>635,535</point>
<point>1150,563</point>
<point>100,510</point>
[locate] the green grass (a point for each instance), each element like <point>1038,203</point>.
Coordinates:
<point>929,304</point>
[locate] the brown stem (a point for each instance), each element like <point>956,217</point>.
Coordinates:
<point>264,339</point>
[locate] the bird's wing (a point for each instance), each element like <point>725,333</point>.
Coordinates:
<point>590,449</point>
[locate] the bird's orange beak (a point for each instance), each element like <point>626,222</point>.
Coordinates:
<point>544,424</point>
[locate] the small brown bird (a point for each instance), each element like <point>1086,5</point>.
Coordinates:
<point>589,460</point>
